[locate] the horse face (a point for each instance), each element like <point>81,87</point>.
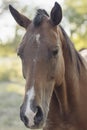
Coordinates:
<point>42,63</point>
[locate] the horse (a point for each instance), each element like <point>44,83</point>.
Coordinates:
<point>55,74</point>
<point>83,52</point>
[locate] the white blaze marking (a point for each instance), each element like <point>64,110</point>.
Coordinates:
<point>34,60</point>
<point>38,44</point>
<point>31,93</point>
<point>29,113</point>
<point>38,39</point>
<point>37,36</point>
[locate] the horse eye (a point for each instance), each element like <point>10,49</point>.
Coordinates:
<point>55,51</point>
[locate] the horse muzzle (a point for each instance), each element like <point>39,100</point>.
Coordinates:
<point>32,118</point>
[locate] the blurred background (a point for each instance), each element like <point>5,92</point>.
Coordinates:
<point>11,80</point>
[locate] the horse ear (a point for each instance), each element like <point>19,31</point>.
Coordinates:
<point>56,14</point>
<point>20,19</point>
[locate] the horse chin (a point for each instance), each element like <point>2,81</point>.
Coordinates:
<point>40,125</point>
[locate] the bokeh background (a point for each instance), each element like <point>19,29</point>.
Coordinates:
<point>11,80</point>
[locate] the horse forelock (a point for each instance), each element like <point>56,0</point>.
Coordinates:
<point>41,13</point>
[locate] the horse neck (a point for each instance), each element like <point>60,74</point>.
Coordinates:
<point>70,85</point>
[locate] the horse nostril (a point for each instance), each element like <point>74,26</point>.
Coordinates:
<point>25,120</point>
<point>39,116</point>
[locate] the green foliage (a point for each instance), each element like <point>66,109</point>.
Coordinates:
<point>79,5</point>
<point>76,14</point>
<point>7,50</point>
<point>10,69</point>
<point>10,47</point>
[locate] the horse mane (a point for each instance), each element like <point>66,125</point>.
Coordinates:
<point>75,57</point>
<point>40,14</point>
